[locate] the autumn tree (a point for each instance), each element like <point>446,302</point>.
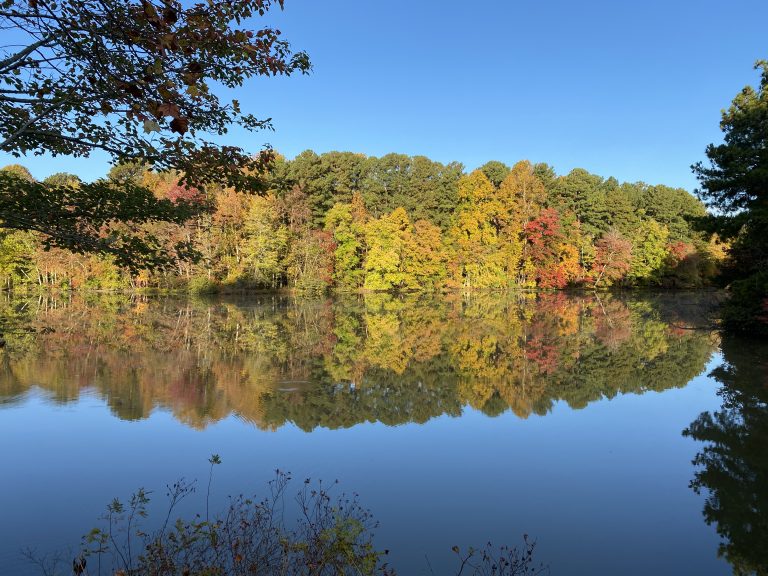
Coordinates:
<point>62,179</point>
<point>553,260</point>
<point>347,227</point>
<point>474,235</point>
<point>613,258</point>
<point>310,252</point>
<point>523,195</point>
<point>140,80</point>
<point>265,245</point>
<point>649,252</point>
<point>425,258</point>
<point>387,239</point>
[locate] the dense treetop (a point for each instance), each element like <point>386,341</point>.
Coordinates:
<point>398,223</point>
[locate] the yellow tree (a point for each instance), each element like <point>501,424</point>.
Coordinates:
<point>424,259</point>
<point>474,236</point>
<point>387,239</point>
<point>522,195</point>
<point>265,243</point>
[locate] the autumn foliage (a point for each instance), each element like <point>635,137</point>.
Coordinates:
<point>348,222</point>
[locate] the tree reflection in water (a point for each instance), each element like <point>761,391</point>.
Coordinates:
<point>272,360</point>
<point>732,467</point>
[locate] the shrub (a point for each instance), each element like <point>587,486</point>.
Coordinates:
<point>329,535</point>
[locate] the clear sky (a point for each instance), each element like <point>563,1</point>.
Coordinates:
<point>624,88</point>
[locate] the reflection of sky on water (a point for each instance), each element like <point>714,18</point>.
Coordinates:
<point>603,489</point>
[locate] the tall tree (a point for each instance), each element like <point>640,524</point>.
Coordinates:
<point>675,208</point>
<point>523,195</point>
<point>266,243</point>
<point>736,184</point>
<point>475,235</point>
<point>649,252</point>
<point>346,223</point>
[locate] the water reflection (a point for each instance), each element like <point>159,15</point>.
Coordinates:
<point>732,467</point>
<point>335,363</point>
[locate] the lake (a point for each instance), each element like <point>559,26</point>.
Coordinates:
<point>615,431</point>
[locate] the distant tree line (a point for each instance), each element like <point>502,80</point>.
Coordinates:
<point>351,222</point>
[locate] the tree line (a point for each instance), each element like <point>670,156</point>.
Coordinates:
<point>350,222</point>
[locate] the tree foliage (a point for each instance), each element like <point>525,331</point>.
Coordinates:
<point>349,222</point>
<point>96,217</point>
<point>736,184</point>
<point>140,80</point>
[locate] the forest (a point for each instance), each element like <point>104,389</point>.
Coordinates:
<point>350,222</point>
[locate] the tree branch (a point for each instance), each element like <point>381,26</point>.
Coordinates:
<point>15,60</point>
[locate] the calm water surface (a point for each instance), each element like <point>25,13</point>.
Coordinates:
<point>574,419</point>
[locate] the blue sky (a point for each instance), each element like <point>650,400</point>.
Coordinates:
<point>629,89</point>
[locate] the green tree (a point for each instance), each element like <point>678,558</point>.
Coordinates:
<point>16,249</point>
<point>495,171</point>
<point>649,252</point>
<point>622,212</point>
<point>546,174</point>
<point>325,179</point>
<point>583,194</point>
<point>736,184</point>
<point>674,208</point>
<point>265,244</point>
<point>432,190</point>
<point>347,227</point>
